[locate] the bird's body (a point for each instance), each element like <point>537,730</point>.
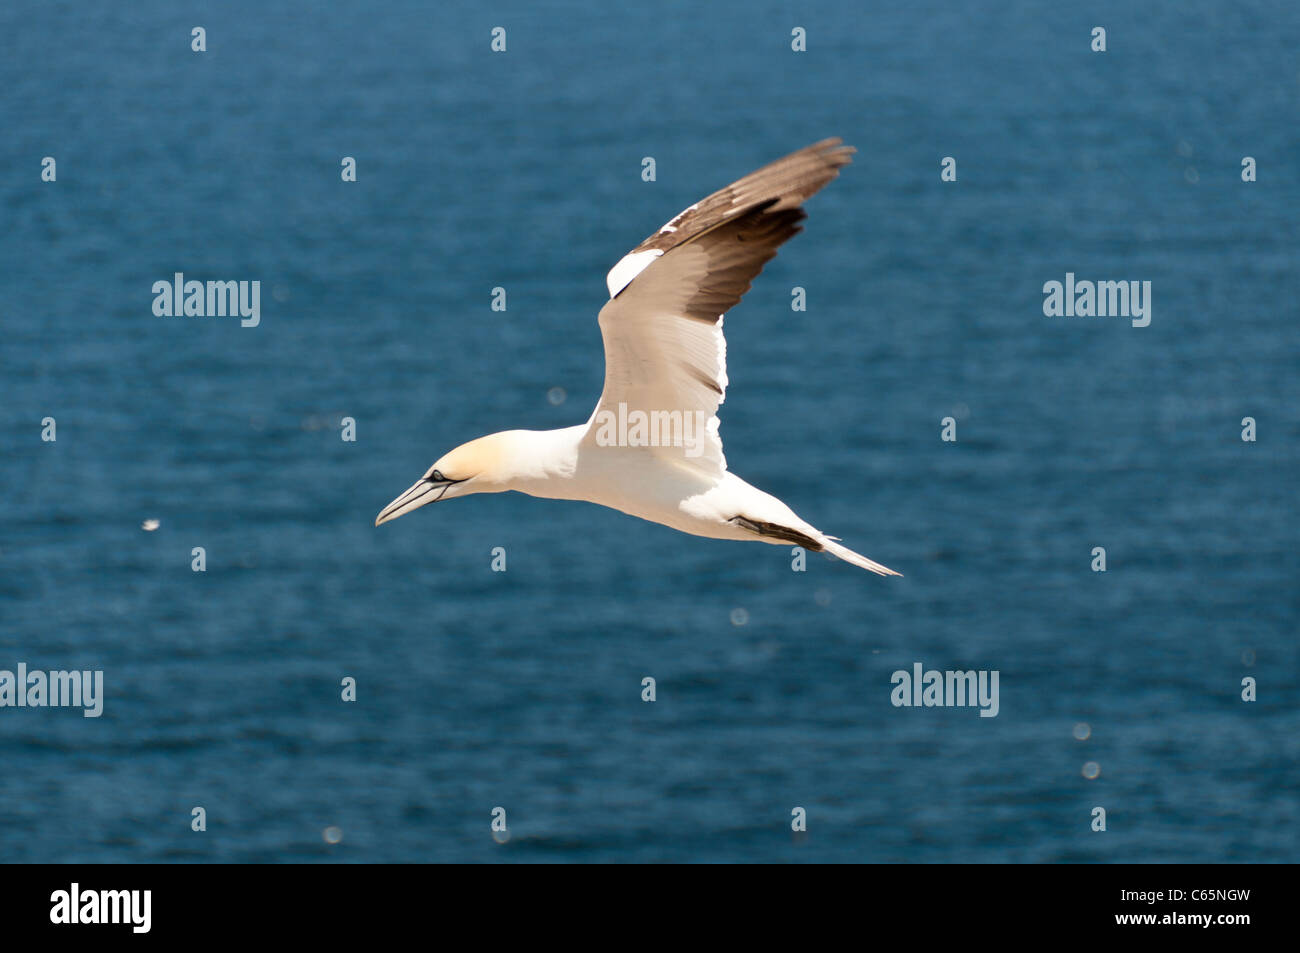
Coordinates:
<point>640,483</point>
<point>651,448</point>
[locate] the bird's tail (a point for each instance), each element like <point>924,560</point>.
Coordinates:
<point>857,559</point>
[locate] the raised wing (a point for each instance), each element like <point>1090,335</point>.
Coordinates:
<point>665,354</point>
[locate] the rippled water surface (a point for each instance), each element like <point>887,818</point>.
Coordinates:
<point>522,689</point>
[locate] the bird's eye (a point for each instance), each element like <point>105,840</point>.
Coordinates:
<point>437,477</point>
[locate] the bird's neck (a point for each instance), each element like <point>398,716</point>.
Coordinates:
<point>544,462</point>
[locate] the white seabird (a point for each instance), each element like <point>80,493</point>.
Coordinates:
<point>665,367</point>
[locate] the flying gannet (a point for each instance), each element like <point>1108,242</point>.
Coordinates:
<point>665,370</point>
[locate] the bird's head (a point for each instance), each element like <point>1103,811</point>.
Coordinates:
<point>475,467</point>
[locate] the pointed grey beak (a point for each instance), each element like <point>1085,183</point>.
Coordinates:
<point>426,491</point>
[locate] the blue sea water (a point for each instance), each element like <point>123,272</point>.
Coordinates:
<point>522,689</point>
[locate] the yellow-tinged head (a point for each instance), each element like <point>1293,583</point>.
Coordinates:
<point>484,465</point>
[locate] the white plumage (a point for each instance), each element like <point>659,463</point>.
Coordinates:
<point>651,448</point>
